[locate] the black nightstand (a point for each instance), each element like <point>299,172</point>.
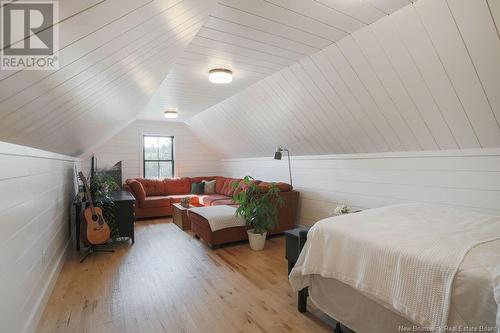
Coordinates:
<point>295,240</point>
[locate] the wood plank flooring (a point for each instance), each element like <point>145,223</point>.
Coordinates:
<point>168,281</point>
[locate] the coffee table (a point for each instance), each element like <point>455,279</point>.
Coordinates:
<point>180,216</point>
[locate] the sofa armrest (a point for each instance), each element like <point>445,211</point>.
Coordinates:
<point>287,214</point>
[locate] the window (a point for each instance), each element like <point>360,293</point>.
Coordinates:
<point>158,156</point>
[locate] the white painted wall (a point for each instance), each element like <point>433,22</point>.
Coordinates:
<point>465,178</point>
<point>36,188</point>
<point>192,157</point>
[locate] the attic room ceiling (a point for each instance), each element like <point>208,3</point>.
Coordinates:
<point>113,55</point>
<point>255,39</point>
<point>423,78</point>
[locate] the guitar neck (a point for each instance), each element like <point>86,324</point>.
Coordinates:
<point>88,196</point>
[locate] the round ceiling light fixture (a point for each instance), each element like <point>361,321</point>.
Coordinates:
<point>171,114</point>
<point>220,75</point>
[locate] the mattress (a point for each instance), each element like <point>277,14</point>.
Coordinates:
<point>473,303</point>
<point>404,257</point>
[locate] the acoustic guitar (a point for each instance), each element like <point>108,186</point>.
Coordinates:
<point>94,230</point>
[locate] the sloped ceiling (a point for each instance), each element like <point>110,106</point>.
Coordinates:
<point>256,38</point>
<point>426,77</point>
<point>113,55</point>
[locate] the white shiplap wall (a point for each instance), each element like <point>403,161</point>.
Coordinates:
<point>460,178</point>
<point>192,157</point>
<point>36,188</point>
<point>425,77</point>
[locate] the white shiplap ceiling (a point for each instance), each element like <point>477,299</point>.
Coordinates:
<point>426,77</point>
<point>256,38</point>
<point>113,55</point>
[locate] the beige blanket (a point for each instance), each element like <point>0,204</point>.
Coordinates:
<point>220,217</point>
<point>404,257</point>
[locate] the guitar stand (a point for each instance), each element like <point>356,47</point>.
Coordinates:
<point>94,249</point>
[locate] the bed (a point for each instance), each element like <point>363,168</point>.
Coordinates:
<point>404,268</point>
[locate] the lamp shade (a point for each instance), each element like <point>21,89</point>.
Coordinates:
<point>277,156</point>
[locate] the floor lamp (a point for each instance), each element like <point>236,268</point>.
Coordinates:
<point>278,155</point>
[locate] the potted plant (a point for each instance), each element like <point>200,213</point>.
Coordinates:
<point>101,187</point>
<point>259,209</point>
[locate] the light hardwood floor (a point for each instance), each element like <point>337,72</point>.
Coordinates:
<point>171,282</point>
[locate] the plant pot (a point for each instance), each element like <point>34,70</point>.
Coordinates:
<point>257,241</point>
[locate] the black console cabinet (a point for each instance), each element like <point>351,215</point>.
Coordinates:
<point>124,214</point>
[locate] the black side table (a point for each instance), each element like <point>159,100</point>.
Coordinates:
<point>295,240</point>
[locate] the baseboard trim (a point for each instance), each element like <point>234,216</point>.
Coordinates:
<point>36,314</point>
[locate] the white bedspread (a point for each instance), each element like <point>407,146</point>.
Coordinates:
<point>220,217</point>
<point>404,257</point>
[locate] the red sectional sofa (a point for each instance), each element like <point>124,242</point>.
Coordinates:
<point>154,198</point>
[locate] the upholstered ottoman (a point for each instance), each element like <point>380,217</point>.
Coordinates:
<point>223,227</point>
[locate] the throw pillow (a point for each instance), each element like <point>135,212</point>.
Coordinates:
<point>209,186</point>
<point>197,188</point>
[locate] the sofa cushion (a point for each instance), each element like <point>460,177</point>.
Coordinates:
<point>228,188</point>
<point>208,199</point>
<point>209,186</point>
<point>152,187</point>
<point>177,186</point>
<point>283,187</point>
<point>155,202</point>
<point>193,198</point>
<point>137,189</point>
<point>219,184</point>
<point>228,202</point>
<point>243,187</point>
<point>197,188</point>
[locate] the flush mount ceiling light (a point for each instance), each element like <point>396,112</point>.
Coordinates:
<point>220,75</point>
<point>170,114</point>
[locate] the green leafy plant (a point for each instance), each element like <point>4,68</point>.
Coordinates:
<point>101,187</point>
<point>258,208</point>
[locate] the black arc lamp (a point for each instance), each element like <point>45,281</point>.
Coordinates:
<point>277,156</point>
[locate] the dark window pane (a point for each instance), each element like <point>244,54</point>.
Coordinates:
<point>166,170</point>
<point>151,169</point>
<point>165,145</point>
<point>158,157</point>
<point>150,148</point>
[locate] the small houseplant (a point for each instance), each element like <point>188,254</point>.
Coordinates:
<point>341,210</point>
<point>185,202</point>
<point>259,209</point>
